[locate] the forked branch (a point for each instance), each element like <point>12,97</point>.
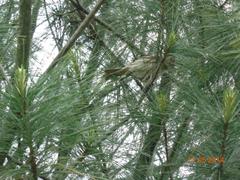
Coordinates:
<point>76,34</point>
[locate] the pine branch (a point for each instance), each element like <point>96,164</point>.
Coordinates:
<point>50,26</point>
<point>35,11</point>
<point>21,164</point>
<point>24,35</point>
<point>76,34</point>
<point>33,163</point>
<point>80,9</point>
<point>3,74</point>
<point>223,4</point>
<point>152,138</point>
<point>165,135</point>
<point>22,59</point>
<point>223,149</point>
<point>166,168</point>
<point>106,26</point>
<point>151,82</point>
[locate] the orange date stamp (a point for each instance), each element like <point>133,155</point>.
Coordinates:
<point>206,160</point>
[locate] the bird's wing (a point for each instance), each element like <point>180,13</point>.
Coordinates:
<point>115,72</point>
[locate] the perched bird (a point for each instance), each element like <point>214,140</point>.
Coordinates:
<point>143,69</point>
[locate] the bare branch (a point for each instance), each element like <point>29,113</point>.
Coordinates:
<point>106,26</point>
<point>3,73</point>
<point>76,34</point>
<point>223,4</point>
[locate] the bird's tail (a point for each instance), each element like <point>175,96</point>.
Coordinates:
<point>110,73</point>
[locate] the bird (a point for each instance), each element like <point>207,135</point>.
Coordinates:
<point>144,68</point>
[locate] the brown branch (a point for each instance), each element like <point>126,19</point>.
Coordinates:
<point>223,4</point>
<point>93,34</point>
<point>166,169</point>
<point>106,26</point>
<point>152,137</point>
<point>150,84</point>
<point>165,140</point>
<point>223,149</point>
<point>33,163</point>
<point>76,34</point>
<point>3,73</point>
<point>10,159</point>
<point>50,26</point>
<point>80,10</point>
<point>21,164</point>
<point>43,177</point>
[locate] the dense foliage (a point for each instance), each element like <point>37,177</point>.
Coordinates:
<point>67,122</point>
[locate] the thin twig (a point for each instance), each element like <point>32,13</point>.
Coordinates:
<point>76,34</point>
<point>150,84</point>
<point>79,9</point>
<point>50,26</point>
<point>177,143</point>
<point>105,25</point>
<point>165,141</point>
<point>3,74</point>
<point>21,164</point>
<point>223,4</point>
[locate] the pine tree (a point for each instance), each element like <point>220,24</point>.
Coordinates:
<point>69,122</point>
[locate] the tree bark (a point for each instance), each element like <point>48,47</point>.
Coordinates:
<point>24,35</point>
<point>152,138</point>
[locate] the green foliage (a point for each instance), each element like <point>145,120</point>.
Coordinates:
<point>229,101</point>
<point>70,123</point>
